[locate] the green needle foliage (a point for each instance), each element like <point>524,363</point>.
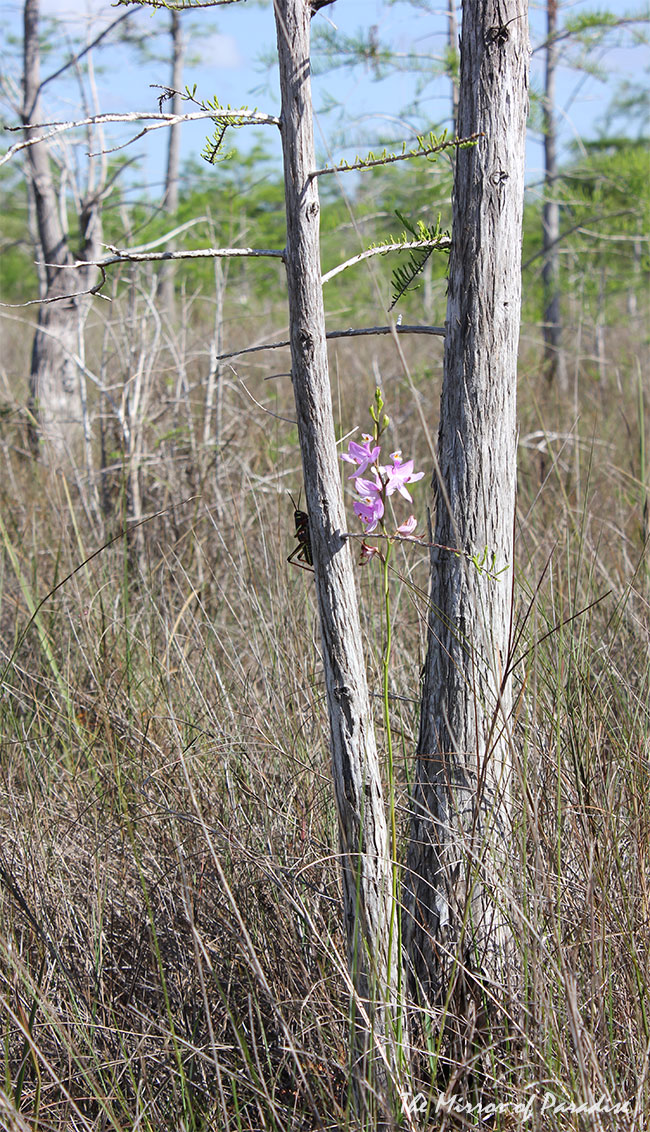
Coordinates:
<point>406,276</point>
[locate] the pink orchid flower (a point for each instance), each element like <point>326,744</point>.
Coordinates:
<point>368,487</point>
<point>361,454</point>
<point>370,510</point>
<point>408,526</point>
<point>399,475</point>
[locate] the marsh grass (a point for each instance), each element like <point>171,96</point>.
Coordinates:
<point>171,951</point>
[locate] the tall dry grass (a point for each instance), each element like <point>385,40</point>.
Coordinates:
<point>171,952</point>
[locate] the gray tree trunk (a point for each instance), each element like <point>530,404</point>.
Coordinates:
<point>371,945</point>
<point>457,882</point>
<point>55,392</point>
<point>452,40</point>
<point>554,358</point>
<point>170,199</point>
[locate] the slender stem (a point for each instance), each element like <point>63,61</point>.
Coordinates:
<point>395,915</point>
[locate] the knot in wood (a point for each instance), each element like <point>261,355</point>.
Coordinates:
<point>306,343</point>
<point>498,35</point>
<point>499,178</point>
<point>312,210</point>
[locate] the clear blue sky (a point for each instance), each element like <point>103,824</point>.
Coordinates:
<point>228,43</point>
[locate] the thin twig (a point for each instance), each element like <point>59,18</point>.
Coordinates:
<point>574,33</point>
<point>162,239</point>
<point>96,290</point>
<point>269,412</point>
<point>366,330</point>
<point>577,228</point>
<point>174,7</point>
<point>74,59</point>
<point>158,120</point>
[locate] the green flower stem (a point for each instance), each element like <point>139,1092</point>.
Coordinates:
<point>395,915</point>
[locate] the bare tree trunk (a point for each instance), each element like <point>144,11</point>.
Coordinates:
<point>554,358</point>
<point>456,885</point>
<point>371,943</point>
<point>170,199</point>
<point>55,396</point>
<point>452,31</point>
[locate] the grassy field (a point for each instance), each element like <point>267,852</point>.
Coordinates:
<point>171,948</point>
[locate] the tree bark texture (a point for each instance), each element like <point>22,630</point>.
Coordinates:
<point>55,392</point>
<point>456,882</point>
<point>555,362</point>
<point>371,945</point>
<point>452,38</point>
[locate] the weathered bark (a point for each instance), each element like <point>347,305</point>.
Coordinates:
<point>554,359</point>
<point>371,945</point>
<point>170,198</point>
<point>457,881</point>
<point>55,394</point>
<point>452,33</point>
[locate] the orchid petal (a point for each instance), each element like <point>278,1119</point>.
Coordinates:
<point>408,526</point>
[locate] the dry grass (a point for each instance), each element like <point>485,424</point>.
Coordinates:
<point>171,954</point>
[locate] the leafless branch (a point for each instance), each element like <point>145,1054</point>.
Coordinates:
<point>136,256</point>
<point>361,333</point>
<point>443,242</point>
<point>616,238</point>
<point>269,412</point>
<point>574,33</point>
<point>74,59</point>
<point>96,290</point>
<point>197,253</point>
<point>174,7</point>
<point>575,228</point>
<point>163,239</point>
<point>159,121</point>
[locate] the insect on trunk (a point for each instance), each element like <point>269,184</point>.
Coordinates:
<point>301,554</point>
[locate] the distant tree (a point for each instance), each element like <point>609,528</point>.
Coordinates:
<point>571,44</point>
<point>56,375</point>
<point>170,198</point>
<point>606,250</point>
<point>555,358</point>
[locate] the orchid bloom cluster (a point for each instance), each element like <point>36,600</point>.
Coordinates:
<point>375,482</point>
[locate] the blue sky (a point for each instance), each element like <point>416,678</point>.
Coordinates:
<point>228,43</point>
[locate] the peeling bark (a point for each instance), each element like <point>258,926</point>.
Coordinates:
<point>371,946</point>
<point>457,882</point>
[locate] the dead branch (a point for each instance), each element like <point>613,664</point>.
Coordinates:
<point>362,332</point>
<point>197,253</point>
<point>159,121</point>
<point>96,290</point>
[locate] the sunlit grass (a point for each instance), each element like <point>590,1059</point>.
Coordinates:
<point>171,948</point>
